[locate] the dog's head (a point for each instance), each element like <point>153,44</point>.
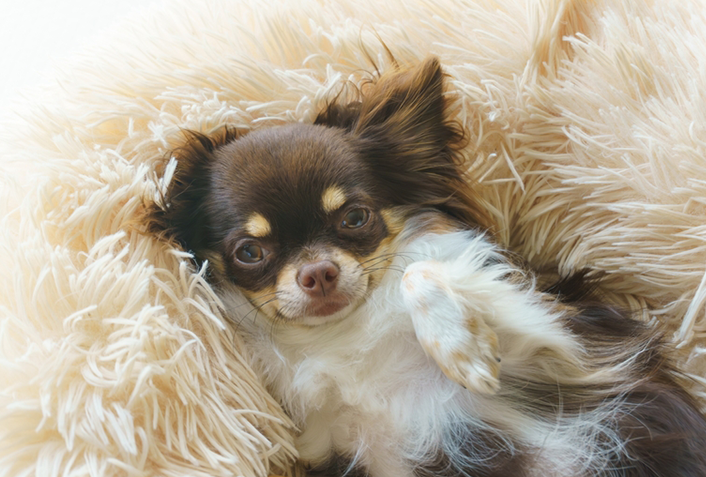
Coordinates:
<point>301,217</point>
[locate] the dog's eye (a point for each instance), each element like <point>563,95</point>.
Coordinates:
<point>250,253</point>
<point>355,218</point>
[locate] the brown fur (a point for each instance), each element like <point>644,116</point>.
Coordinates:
<point>664,431</point>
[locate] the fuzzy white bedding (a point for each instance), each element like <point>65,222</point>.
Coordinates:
<point>587,138</point>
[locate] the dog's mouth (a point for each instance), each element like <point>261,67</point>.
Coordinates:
<point>318,311</point>
<point>326,306</point>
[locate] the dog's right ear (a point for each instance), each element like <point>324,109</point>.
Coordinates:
<point>181,213</point>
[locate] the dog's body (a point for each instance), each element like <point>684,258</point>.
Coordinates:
<point>398,338</point>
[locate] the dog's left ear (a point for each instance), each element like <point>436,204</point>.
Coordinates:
<point>401,129</point>
<point>406,110</point>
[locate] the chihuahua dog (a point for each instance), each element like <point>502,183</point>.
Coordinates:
<point>351,255</point>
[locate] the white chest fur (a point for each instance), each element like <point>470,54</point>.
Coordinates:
<point>367,387</point>
<point>361,387</point>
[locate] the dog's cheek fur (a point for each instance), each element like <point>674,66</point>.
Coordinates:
<point>264,301</point>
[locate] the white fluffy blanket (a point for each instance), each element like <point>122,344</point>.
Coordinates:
<point>587,128</point>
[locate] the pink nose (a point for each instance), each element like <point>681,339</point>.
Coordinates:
<point>319,278</point>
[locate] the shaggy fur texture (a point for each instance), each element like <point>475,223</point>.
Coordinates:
<point>586,136</point>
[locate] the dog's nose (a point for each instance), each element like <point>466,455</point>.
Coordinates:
<point>318,278</point>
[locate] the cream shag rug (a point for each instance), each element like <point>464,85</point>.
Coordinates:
<point>587,127</point>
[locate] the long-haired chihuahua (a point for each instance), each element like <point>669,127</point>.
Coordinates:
<point>351,255</point>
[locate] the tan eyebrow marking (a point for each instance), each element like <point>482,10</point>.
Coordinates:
<point>257,225</point>
<point>332,199</point>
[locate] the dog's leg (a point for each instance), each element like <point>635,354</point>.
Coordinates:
<point>456,337</point>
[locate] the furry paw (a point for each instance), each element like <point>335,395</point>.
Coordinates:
<point>461,343</point>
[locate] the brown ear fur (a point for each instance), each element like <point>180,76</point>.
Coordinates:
<point>401,127</point>
<point>180,213</point>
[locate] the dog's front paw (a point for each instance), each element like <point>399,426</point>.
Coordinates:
<point>461,343</point>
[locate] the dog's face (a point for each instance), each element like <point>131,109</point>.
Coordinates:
<point>298,221</point>
<point>301,217</point>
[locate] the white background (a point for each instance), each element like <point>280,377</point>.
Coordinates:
<point>35,35</point>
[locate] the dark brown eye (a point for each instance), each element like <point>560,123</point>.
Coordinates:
<point>250,253</point>
<point>355,218</point>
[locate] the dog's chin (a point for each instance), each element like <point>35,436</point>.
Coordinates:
<point>325,312</point>
<point>326,308</point>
